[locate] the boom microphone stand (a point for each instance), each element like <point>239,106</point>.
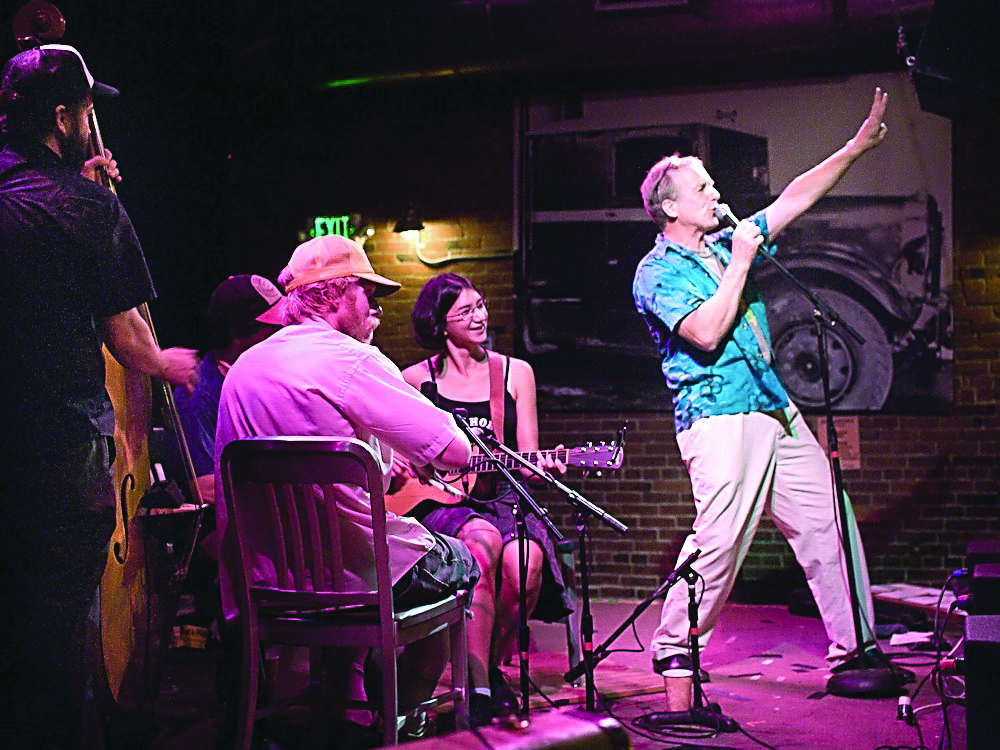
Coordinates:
<point>600,653</point>
<point>869,673</point>
<point>699,714</point>
<point>582,508</point>
<point>523,502</point>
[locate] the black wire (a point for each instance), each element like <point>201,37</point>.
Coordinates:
<point>483,739</point>
<point>937,610</point>
<point>945,726</point>
<point>655,735</point>
<point>640,648</point>
<point>541,693</point>
<point>664,736</point>
<point>759,741</point>
<point>912,660</point>
<point>935,676</point>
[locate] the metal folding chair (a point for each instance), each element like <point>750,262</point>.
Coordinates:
<point>282,498</point>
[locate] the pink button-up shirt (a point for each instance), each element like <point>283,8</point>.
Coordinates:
<point>310,379</point>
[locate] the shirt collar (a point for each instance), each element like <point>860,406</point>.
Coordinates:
<point>665,245</point>
<point>28,149</point>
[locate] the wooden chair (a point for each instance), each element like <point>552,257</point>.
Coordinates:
<point>282,504</point>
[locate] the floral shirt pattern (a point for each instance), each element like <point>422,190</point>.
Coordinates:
<point>671,282</point>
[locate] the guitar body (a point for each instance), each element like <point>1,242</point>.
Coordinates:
<point>414,492</point>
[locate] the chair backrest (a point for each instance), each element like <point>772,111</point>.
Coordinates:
<point>283,500</point>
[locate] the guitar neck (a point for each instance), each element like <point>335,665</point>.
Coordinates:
<point>481,464</point>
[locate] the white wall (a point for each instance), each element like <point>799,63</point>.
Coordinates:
<point>804,123</point>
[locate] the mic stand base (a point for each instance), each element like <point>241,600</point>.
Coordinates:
<point>710,716</point>
<point>871,676</point>
<point>699,714</point>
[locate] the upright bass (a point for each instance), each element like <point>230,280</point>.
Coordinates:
<point>142,571</point>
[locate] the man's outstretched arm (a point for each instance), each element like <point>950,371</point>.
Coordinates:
<point>810,186</point>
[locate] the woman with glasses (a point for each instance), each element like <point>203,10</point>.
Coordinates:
<point>450,318</point>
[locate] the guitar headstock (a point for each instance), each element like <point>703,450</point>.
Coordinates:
<point>603,456</point>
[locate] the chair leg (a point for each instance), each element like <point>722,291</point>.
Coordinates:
<point>390,694</point>
<point>324,670</point>
<point>250,683</point>
<point>460,670</point>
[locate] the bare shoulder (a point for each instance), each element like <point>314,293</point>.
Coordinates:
<point>521,375</point>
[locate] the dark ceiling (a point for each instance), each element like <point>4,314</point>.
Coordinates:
<point>197,50</point>
<point>534,45</point>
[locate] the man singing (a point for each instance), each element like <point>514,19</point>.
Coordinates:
<point>746,447</point>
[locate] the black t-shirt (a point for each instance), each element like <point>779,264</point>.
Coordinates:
<point>69,258</point>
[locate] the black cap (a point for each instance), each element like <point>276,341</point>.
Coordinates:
<point>241,301</point>
<point>52,74</point>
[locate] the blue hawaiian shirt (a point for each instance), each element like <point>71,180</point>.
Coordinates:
<point>671,282</point>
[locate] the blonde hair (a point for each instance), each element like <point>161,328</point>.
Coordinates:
<point>316,299</point>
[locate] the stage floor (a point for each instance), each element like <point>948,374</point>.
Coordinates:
<point>767,673</point>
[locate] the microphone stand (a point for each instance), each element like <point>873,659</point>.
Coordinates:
<point>582,507</point>
<point>700,714</point>
<point>599,654</point>
<point>871,675</point>
<point>521,496</point>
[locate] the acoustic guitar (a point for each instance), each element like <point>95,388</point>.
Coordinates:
<point>454,487</point>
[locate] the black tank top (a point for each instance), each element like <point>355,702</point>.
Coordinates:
<point>479,411</point>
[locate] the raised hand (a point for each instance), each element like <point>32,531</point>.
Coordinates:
<point>873,130</point>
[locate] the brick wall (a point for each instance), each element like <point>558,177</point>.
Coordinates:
<point>927,484</point>
<point>469,237</point>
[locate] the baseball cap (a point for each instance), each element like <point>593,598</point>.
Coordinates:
<point>241,300</point>
<point>52,74</point>
<point>333,257</point>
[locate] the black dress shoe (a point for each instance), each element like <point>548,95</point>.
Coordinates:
<point>678,663</point>
<point>480,710</point>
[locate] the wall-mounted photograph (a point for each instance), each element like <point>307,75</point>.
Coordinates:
<point>876,250</point>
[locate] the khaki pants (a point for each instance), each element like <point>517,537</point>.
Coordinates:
<point>740,466</point>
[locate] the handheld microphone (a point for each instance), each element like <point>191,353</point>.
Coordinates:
<point>725,216</point>
<point>429,389</point>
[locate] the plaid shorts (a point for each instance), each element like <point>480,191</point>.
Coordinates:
<point>446,569</point>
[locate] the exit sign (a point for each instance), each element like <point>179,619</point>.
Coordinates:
<point>340,225</point>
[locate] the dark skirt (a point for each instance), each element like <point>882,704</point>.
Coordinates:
<point>553,601</point>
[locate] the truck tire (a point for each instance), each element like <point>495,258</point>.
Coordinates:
<point>860,375</point>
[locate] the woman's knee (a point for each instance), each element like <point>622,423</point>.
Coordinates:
<point>483,541</point>
<point>512,565</point>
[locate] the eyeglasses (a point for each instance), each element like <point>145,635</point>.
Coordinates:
<point>465,314</point>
